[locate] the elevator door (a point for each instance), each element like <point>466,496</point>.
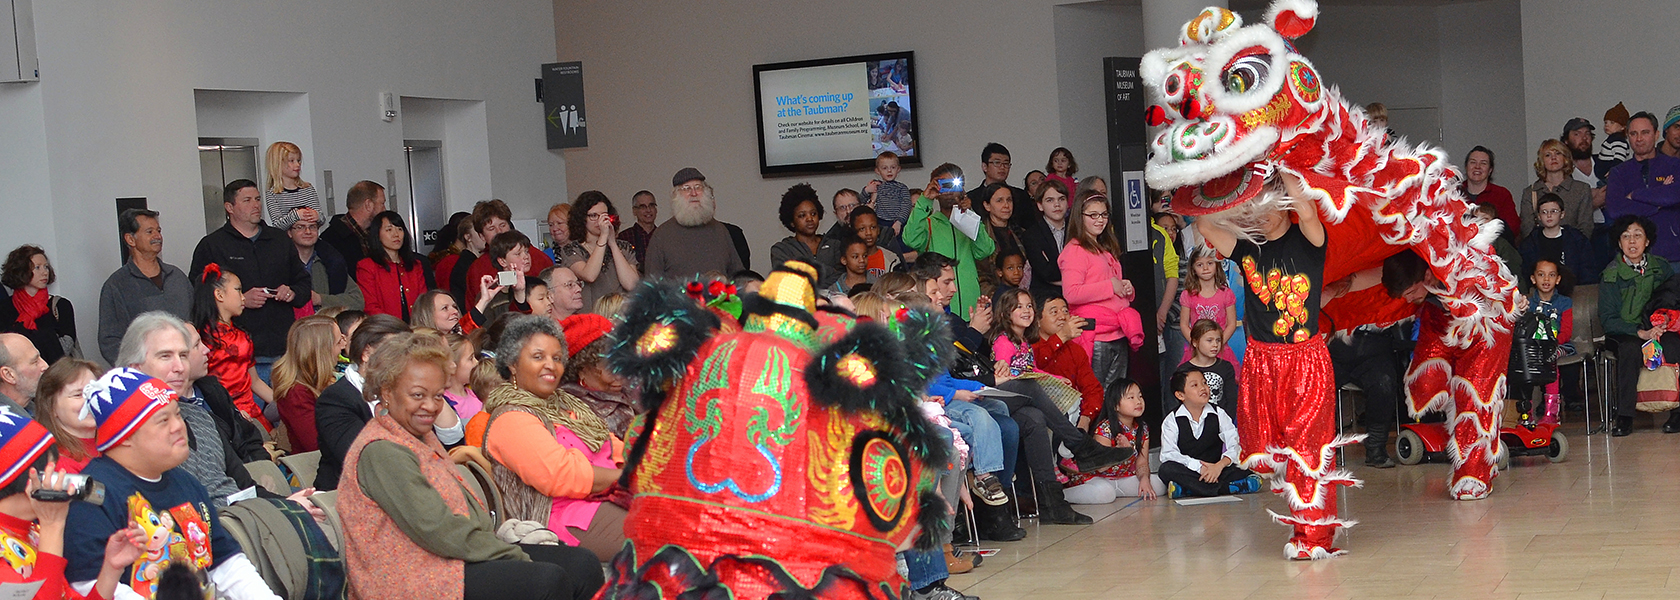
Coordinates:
<point>221,160</point>
<point>425,212</point>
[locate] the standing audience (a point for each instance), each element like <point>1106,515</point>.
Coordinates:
<point>348,232</point>
<point>21,367</point>
<point>48,321</point>
<point>692,241</point>
<point>1479,188</point>
<point>143,284</point>
<point>274,281</point>
<point>1097,291</point>
<point>646,208</point>
<point>394,276</point>
<point>942,223</point>
<point>1552,168</point>
<point>288,197</point>
<point>1646,186</point>
<point>332,282</point>
<point>605,263</point>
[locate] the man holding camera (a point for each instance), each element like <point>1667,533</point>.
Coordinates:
<point>143,442</point>
<point>942,222</point>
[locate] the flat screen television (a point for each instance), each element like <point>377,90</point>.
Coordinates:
<point>836,114</point>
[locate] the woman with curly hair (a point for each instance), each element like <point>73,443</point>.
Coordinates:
<point>802,213</point>
<point>603,262</point>
<point>42,317</point>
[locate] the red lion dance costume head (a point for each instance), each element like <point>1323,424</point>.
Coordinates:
<point>1235,107</point>
<point>785,457</point>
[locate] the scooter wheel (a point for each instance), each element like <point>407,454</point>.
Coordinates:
<point>1408,448</point>
<point>1559,448</point>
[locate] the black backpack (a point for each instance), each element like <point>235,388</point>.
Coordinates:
<point>1533,351</point>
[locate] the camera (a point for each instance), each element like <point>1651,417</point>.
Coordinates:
<point>506,278</point>
<point>949,184</point>
<point>81,487</point>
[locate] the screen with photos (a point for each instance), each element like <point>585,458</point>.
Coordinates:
<point>830,115</point>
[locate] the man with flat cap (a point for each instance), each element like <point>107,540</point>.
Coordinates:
<point>692,241</point>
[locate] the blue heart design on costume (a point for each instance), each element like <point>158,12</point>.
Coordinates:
<point>729,482</point>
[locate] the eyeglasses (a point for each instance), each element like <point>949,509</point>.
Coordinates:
<point>1101,216</point>
<point>693,187</point>
<point>601,215</point>
<point>306,227</point>
<point>1551,211</point>
<point>998,163</point>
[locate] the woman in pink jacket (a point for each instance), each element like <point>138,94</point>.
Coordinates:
<point>1095,289</point>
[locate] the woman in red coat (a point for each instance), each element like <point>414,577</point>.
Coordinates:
<point>393,276</point>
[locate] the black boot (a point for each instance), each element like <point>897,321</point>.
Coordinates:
<point>1673,424</point>
<point>1092,456</point>
<point>997,523</point>
<point>1376,448</point>
<point>1623,427</point>
<point>1053,507</point>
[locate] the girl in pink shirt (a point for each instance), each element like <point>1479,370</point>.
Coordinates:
<point>1096,290</point>
<point>1208,296</point>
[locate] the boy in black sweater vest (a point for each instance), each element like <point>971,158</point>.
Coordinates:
<point>1199,446</point>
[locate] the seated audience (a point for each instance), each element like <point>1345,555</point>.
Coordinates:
<point>510,251</point>
<point>609,306</point>
<point>143,440</point>
<point>866,224</point>
<point>411,529</point>
<point>59,409</point>
<point>394,275</point>
<point>553,458</point>
<point>312,350</point>
<point>40,316</point>
<point>1480,190</point>
<point>341,411</point>
<point>1056,353</point>
<point>832,248</point>
<point>1199,446</point>
<point>437,310</point>
<point>466,249</point>
<point>587,376</point>
<point>34,528</point>
<point>20,372</point>
<point>603,262</point>
<point>565,293</point>
<point>1118,423</point>
<point>462,358</point>
<point>1626,289</point>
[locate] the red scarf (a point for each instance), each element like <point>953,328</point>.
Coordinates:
<point>30,307</point>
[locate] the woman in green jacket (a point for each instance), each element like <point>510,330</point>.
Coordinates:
<point>1623,294</point>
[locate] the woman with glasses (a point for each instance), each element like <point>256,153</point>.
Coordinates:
<point>604,263</point>
<point>1096,290</point>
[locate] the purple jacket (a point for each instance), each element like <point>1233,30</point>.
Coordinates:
<point>1649,188</point>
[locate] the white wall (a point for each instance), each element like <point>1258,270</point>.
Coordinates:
<point>669,87</point>
<point>1482,95</point>
<point>118,119</point>
<point>1085,35</point>
<point>1581,57</point>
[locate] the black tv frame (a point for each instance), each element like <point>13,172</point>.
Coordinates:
<point>837,166</point>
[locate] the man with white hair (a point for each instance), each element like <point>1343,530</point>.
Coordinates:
<point>21,367</point>
<point>692,241</point>
<point>162,346</point>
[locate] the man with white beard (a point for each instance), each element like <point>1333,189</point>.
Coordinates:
<point>692,241</point>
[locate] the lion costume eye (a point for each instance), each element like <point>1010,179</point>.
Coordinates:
<point>1247,73</point>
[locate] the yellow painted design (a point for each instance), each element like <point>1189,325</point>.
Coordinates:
<point>829,473</point>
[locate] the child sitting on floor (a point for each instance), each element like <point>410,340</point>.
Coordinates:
<point>1118,423</point>
<point>1199,445</point>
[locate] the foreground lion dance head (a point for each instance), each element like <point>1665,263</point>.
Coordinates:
<point>782,455</point>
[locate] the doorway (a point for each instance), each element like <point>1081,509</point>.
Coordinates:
<point>221,160</point>
<point>425,211</point>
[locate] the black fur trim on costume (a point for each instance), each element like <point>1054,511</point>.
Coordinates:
<point>675,565</point>
<point>895,394</point>
<point>933,517</point>
<point>927,345</point>
<point>758,305</point>
<point>659,304</point>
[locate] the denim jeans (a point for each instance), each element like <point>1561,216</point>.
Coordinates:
<point>1009,434</point>
<point>926,567</point>
<point>980,431</point>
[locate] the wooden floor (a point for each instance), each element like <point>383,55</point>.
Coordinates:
<point>1605,523</point>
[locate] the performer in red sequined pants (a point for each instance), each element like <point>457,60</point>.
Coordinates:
<point>1468,382</point>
